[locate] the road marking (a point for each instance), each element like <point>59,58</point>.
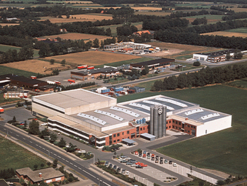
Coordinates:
<point>59,156</point>
<point>4,129</point>
<point>62,158</point>
<point>75,165</point>
<point>79,168</point>
<point>71,163</point>
<point>31,142</point>
<point>67,160</point>
<point>24,138</point>
<point>36,145</point>
<point>17,135</point>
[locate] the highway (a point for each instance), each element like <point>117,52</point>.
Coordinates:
<point>29,140</point>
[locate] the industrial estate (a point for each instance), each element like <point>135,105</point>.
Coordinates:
<point>124,92</point>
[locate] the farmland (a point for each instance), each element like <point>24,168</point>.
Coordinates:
<point>8,70</point>
<point>77,18</point>
<point>146,8</point>
<point>93,57</point>
<point>77,36</point>
<point>8,24</point>
<point>36,66</point>
<point>14,156</point>
<point>180,51</point>
<point>226,34</point>
<point>238,30</point>
<point>114,27</point>
<point>210,18</point>
<point>5,48</point>
<point>225,150</point>
<point>153,13</point>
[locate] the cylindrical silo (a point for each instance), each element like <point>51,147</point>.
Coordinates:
<point>151,127</point>
<point>160,122</point>
<point>156,128</point>
<point>164,120</point>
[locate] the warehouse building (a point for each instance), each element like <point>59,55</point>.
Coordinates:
<point>100,120</point>
<point>153,64</point>
<point>213,57</point>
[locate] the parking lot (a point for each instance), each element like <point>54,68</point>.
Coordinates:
<point>21,114</point>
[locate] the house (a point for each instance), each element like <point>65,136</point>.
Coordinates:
<point>48,175</point>
<point>139,33</point>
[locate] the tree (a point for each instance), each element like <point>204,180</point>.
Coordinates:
<point>96,43</point>
<point>71,148</point>
<point>108,32</point>
<point>228,56</point>
<point>101,44</point>
<point>25,124</point>
<point>52,61</point>
<point>54,165</point>
<point>44,133</point>
<point>197,63</point>
<point>53,137</point>
<point>35,167</point>
<point>34,127</point>
<point>14,119</point>
<point>21,181</point>
<point>42,183</point>
<point>63,62</point>
<point>145,70</point>
<point>62,143</point>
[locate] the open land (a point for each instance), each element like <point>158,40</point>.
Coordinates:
<point>5,48</point>
<point>226,34</point>
<point>36,66</point>
<point>238,30</point>
<point>77,36</point>
<point>146,8</point>
<point>14,156</point>
<point>93,57</point>
<point>210,18</point>
<point>225,150</point>
<point>8,70</point>
<point>80,2</point>
<point>179,51</point>
<point>8,24</point>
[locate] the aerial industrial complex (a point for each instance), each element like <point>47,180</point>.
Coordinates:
<point>100,120</point>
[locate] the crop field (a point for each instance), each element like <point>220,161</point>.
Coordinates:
<point>226,34</point>
<point>114,27</point>
<point>80,2</point>
<point>77,36</point>
<point>93,58</point>
<point>36,66</point>
<point>15,156</point>
<point>226,150</point>
<point>153,13</point>
<point>235,9</point>
<point>179,51</point>
<point>237,30</point>
<point>146,8</point>
<point>8,24</point>
<point>210,18</point>
<point>8,70</point>
<point>194,5</point>
<point>5,48</point>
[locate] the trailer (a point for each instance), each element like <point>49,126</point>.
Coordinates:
<point>90,68</point>
<point>1,110</point>
<point>71,80</point>
<point>82,67</point>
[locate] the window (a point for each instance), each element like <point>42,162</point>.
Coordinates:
<point>170,121</point>
<point>118,140</point>
<point>114,135</point>
<point>169,126</point>
<point>122,133</point>
<point>128,132</point>
<point>179,123</point>
<point>118,134</point>
<point>141,128</point>
<point>166,127</point>
<point>172,126</point>
<point>176,122</point>
<point>114,141</point>
<point>189,126</point>
<point>188,131</point>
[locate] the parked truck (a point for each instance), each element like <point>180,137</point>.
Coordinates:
<point>1,110</point>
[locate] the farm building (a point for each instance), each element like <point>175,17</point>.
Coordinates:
<point>48,175</point>
<point>139,33</point>
<point>100,120</point>
<point>213,57</point>
<point>27,83</point>
<point>153,64</point>
<point>122,45</point>
<point>94,73</point>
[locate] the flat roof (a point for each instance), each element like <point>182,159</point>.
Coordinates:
<point>152,62</point>
<point>129,141</point>
<point>147,135</point>
<point>72,98</point>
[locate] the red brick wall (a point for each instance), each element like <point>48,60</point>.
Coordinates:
<point>177,125</point>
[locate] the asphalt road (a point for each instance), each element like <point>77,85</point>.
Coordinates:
<point>55,154</point>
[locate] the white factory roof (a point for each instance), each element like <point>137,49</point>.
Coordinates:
<point>72,98</point>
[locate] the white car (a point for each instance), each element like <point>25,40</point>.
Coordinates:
<point>133,165</point>
<point>174,165</point>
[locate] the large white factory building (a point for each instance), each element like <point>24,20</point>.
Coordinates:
<point>101,121</point>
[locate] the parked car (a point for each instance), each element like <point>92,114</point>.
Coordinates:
<point>126,172</point>
<point>129,163</point>
<point>161,161</point>
<point>174,165</point>
<point>106,163</point>
<point>156,160</point>
<point>120,159</point>
<point>115,167</point>
<point>170,162</point>
<point>123,161</point>
<point>123,171</point>
<point>139,166</point>
<point>152,159</point>
<point>118,169</point>
<point>110,166</point>
<point>140,154</point>
<point>123,157</point>
<point>166,161</point>
<point>144,152</point>
<point>134,165</point>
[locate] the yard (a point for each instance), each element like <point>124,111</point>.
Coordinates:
<point>93,58</point>
<point>15,156</point>
<point>5,48</point>
<point>225,150</point>
<point>36,66</point>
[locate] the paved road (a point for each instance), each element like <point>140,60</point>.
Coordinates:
<point>56,154</point>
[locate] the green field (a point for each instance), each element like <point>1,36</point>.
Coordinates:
<point>242,83</point>
<point>8,70</point>
<point>14,156</point>
<point>225,150</point>
<point>119,63</point>
<point>218,17</point>
<point>5,48</point>
<point>238,30</point>
<point>193,5</point>
<point>114,27</point>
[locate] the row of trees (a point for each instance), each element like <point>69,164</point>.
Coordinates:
<point>199,21</point>
<point>238,15</point>
<point>204,77</point>
<point>126,30</point>
<point>24,53</point>
<point>157,24</point>
<point>201,40</point>
<point>7,173</point>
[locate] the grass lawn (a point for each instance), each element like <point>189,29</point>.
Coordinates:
<point>14,156</point>
<point>5,48</point>
<point>119,63</point>
<point>186,66</point>
<point>225,150</point>
<point>242,83</point>
<point>207,16</point>
<point>238,30</point>
<point>8,70</point>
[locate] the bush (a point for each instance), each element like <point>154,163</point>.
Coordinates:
<point>197,63</point>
